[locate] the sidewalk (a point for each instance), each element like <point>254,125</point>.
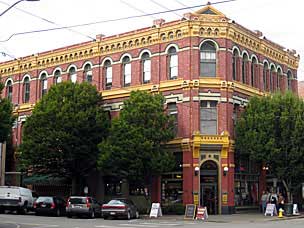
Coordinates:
<point>239,218</point>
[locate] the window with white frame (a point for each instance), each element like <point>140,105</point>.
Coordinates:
<point>234,64</point>
<point>43,84</point>
<point>88,73</point>
<point>146,67</point>
<point>172,63</point>
<point>9,90</point>
<point>244,68</point>
<point>253,71</point>
<point>73,74</point>
<point>208,117</point>
<point>108,74</point>
<point>26,90</point>
<point>265,69</point>
<point>57,77</point>
<point>208,59</point>
<point>126,64</point>
<point>289,78</point>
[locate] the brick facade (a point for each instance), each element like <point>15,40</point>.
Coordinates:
<point>188,90</point>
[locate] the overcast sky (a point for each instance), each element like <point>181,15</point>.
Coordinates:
<point>280,21</point>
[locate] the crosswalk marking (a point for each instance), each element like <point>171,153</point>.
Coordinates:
<point>143,225</point>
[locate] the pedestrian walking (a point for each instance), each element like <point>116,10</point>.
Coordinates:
<point>281,201</point>
<point>264,200</point>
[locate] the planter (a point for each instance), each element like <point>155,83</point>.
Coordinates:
<point>288,209</point>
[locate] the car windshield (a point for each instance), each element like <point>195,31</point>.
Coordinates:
<point>115,202</point>
<point>45,200</point>
<point>78,200</point>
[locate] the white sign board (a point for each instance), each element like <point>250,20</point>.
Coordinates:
<point>155,210</point>
<point>271,209</point>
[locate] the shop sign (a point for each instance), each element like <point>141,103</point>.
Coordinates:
<point>271,209</point>
<point>156,210</point>
<point>190,211</point>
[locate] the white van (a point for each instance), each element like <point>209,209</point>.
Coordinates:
<point>15,199</point>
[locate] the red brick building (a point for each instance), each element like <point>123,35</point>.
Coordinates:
<point>206,65</point>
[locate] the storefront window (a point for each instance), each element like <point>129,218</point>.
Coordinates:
<point>172,183</point>
<point>246,183</point>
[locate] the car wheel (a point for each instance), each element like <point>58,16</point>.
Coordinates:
<point>129,215</point>
<point>137,215</point>
<point>58,212</point>
<point>105,217</point>
<point>69,215</point>
<point>22,210</point>
<point>92,215</point>
<point>1,210</point>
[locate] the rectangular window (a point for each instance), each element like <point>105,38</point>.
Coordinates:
<point>147,71</point>
<point>44,87</point>
<point>208,118</point>
<point>172,111</point>
<point>173,67</point>
<point>108,77</point>
<point>127,74</point>
<point>73,77</point>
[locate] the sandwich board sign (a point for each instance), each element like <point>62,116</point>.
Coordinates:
<point>271,209</point>
<point>190,211</point>
<point>295,210</point>
<point>155,210</point>
<point>202,213</point>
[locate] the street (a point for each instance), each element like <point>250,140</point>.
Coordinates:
<point>32,221</point>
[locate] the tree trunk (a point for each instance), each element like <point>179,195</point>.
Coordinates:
<point>289,194</point>
<point>125,188</point>
<point>75,185</point>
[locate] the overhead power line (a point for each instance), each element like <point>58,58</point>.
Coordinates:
<point>111,20</point>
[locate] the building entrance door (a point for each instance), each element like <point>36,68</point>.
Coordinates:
<point>209,187</point>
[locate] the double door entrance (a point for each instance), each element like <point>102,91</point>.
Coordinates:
<point>209,187</point>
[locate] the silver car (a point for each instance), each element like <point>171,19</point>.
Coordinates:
<point>121,207</point>
<point>83,205</point>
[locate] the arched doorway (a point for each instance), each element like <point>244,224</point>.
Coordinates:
<point>209,186</point>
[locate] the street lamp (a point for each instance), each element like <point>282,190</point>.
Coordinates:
<point>16,4</point>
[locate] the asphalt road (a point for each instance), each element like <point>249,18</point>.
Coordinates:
<point>32,221</point>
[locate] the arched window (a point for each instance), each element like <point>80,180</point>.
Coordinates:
<point>208,60</point>
<point>126,65</point>
<point>9,90</point>
<point>88,73</point>
<point>234,64</point>
<point>254,63</point>
<point>73,74</point>
<point>289,78</point>
<point>172,63</point>
<point>265,69</point>
<point>108,74</point>
<point>26,90</point>
<point>43,84</point>
<point>57,77</point>
<point>279,76</point>
<point>244,68</point>
<point>146,67</point>
<point>271,78</point>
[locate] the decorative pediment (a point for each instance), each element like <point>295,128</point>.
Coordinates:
<point>209,10</point>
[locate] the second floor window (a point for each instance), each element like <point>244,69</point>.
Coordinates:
<point>57,77</point>
<point>253,71</point>
<point>43,84</point>
<point>279,78</point>
<point>73,74</point>
<point>126,71</point>
<point>208,118</point>
<point>208,60</point>
<point>172,111</point>
<point>289,78</point>
<point>88,73</point>
<point>9,90</point>
<point>26,90</point>
<point>271,79</point>
<point>146,67</point>
<point>265,69</point>
<point>234,64</point>
<point>172,63</point>
<point>244,68</point>
<point>108,74</point>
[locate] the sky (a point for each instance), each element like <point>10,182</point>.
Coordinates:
<point>279,20</point>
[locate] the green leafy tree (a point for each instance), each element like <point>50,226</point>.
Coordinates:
<point>6,116</point>
<point>60,138</point>
<point>134,150</point>
<point>270,131</point>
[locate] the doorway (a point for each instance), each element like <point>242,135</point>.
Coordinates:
<point>209,187</point>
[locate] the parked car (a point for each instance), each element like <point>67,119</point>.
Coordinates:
<point>121,207</point>
<point>49,205</point>
<point>15,198</point>
<point>83,205</point>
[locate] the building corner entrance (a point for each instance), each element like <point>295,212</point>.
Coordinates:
<point>209,192</point>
